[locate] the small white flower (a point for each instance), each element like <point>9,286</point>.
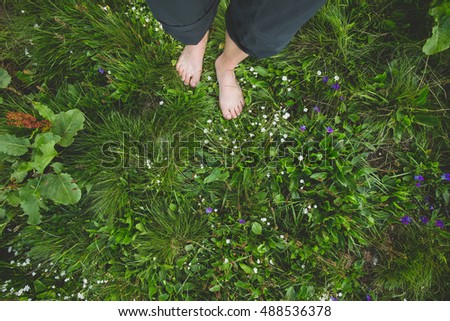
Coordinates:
<point>336,78</point>
<point>315,206</point>
<point>281,236</point>
<point>80,296</point>
<point>263,107</point>
<point>303,266</point>
<point>319,73</point>
<point>206,141</point>
<point>302,181</point>
<point>289,89</point>
<point>270,134</point>
<point>225,261</point>
<point>282,173</point>
<point>205,131</point>
<point>258,261</point>
<point>255,270</point>
<point>22,11</point>
<point>284,78</point>
<point>215,210</point>
<point>268,175</point>
<point>305,211</point>
<point>26,288</point>
<point>251,135</point>
<point>309,207</point>
<point>33,273</point>
<point>268,223</point>
<point>133,8</point>
<point>209,78</point>
<point>109,72</point>
<point>286,115</point>
<point>161,103</point>
<point>264,116</point>
<point>220,138</point>
<point>300,158</point>
<point>232,153</point>
<point>253,86</point>
<point>340,294</point>
<point>209,121</point>
<point>305,109</point>
<point>263,130</point>
<point>228,241</point>
<point>271,262</point>
<point>10,249</point>
<point>263,219</point>
<point>252,69</point>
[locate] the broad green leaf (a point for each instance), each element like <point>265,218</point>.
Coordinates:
<point>215,288</point>
<point>2,213</point>
<point>319,176</point>
<point>67,124</point>
<point>57,167</point>
<point>13,146</point>
<point>246,268</point>
<point>44,111</point>
<point>256,228</point>
<point>426,120</point>
<point>7,158</point>
<point>44,151</point>
<point>216,175</point>
<point>29,202</point>
<point>60,188</point>
<point>21,170</point>
<point>5,78</point>
<point>440,39</point>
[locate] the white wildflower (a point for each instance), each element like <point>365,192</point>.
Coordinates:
<point>286,115</point>
<point>255,270</point>
<point>319,73</point>
<point>228,241</point>
<point>336,78</point>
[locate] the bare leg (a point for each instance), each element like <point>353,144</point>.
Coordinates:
<point>190,63</point>
<point>231,99</point>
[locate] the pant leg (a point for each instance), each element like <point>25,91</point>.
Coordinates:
<point>262,28</point>
<point>185,20</point>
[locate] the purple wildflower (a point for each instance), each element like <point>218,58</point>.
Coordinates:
<point>424,219</point>
<point>446,176</point>
<point>419,178</point>
<point>325,79</point>
<point>440,224</point>
<point>406,219</point>
<point>241,221</point>
<point>330,130</point>
<point>341,98</point>
<point>431,207</point>
<point>316,109</point>
<point>101,70</point>
<point>418,184</point>
<point>302,128</point>
<point>333,298</point>
<point>209,210</point>
<point>335,86</point>
<point>368,297</point>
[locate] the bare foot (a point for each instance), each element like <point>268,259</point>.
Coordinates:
<point>231,98</point>
<point>190,62</point>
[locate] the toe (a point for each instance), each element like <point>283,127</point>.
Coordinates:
<point>232,112</point>
<point>237,111</point>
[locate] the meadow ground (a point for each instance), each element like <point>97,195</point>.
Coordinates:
<point>120,183</point>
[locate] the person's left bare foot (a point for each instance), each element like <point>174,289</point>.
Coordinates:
<point>231,98</point>
<point>190,62</point>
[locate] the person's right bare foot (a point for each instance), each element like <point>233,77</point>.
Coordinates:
<point>190,62</point>
<point>231,98</point>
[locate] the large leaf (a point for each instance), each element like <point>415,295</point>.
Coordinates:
<point>216,175</point>
<point>44,150</point>
<point>60,188</point>
<point>21,170</point>
<point>44,111</point>
<point>5,78</point>
<point>13,146</point>
<point>67,124</point>
<point>29,202</point>
<point>440,39</point>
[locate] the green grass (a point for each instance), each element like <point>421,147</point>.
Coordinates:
<point>154,156</point>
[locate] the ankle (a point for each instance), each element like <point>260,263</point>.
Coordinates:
<point>223,64</point>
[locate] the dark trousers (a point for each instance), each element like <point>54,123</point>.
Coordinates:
<point>260,28</point>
